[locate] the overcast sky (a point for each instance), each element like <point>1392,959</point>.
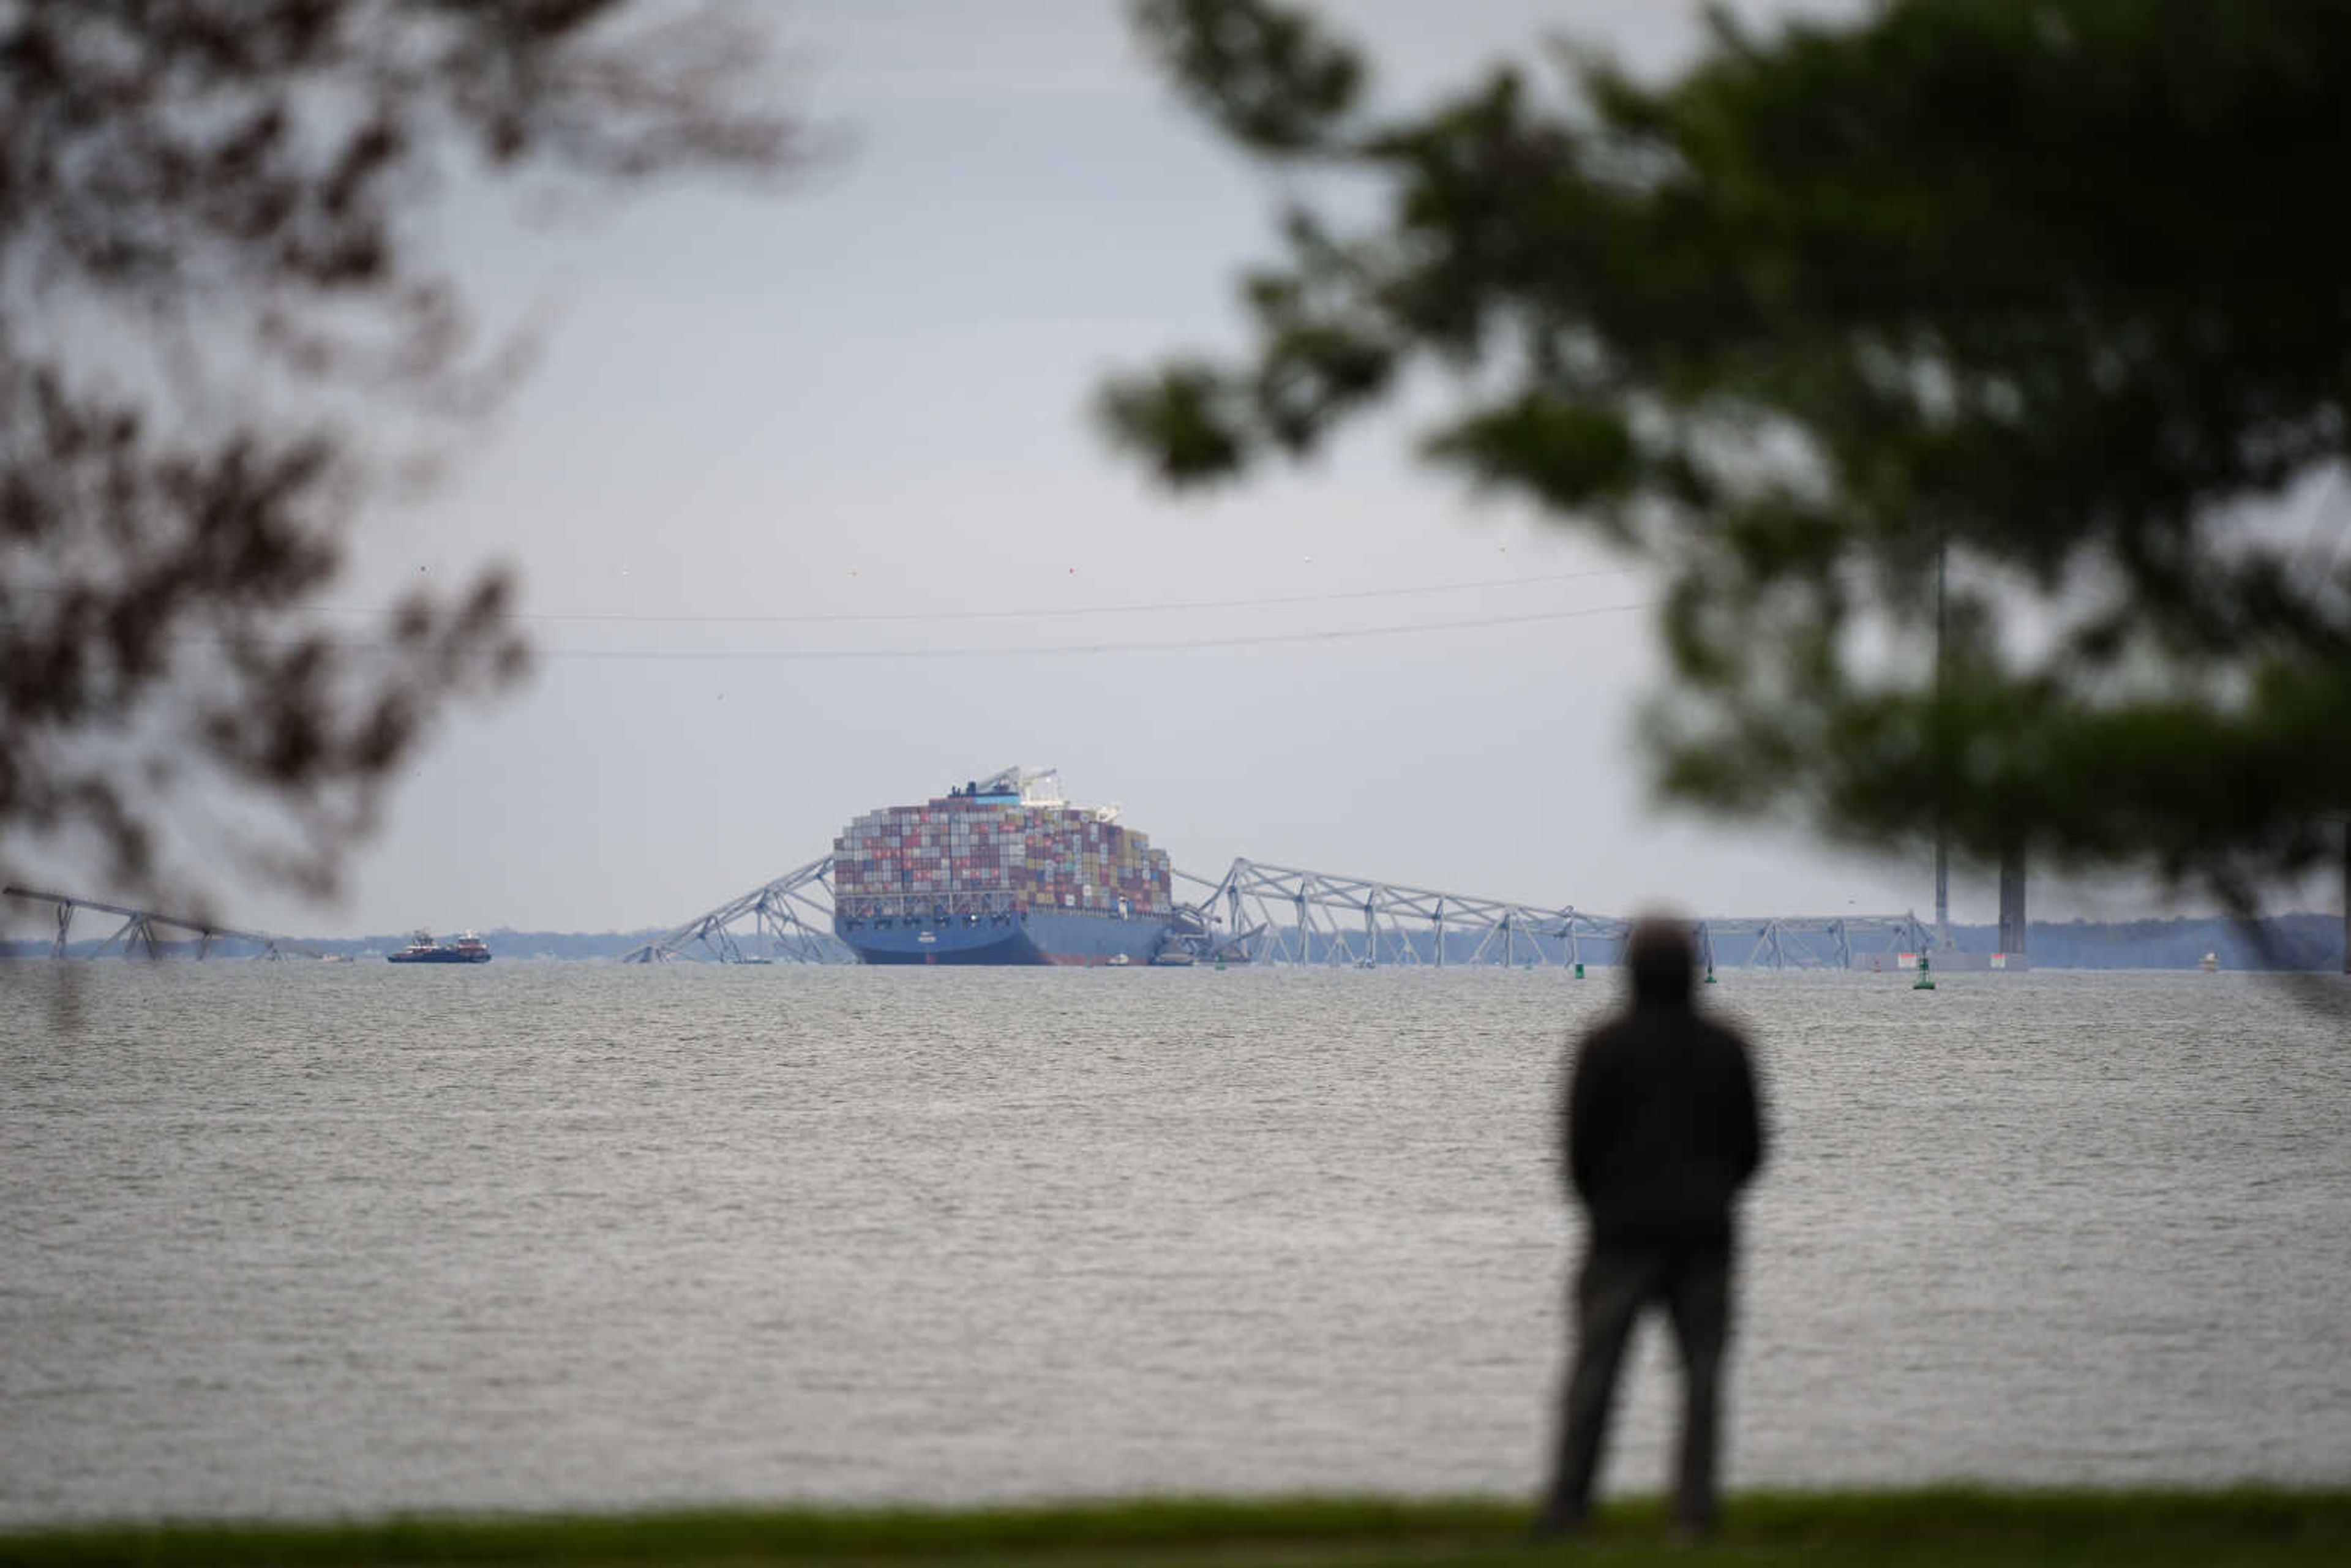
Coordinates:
<point>868,398</point>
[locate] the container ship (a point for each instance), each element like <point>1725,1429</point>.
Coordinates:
<point>1001,870</point>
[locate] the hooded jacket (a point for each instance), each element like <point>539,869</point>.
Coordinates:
<point>1664,1125</point>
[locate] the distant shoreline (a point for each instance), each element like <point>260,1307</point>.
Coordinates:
<point>2306,941</point>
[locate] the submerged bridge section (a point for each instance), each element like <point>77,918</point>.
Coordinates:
<point>1263,914</point>
<point>1284,915</point>
<point>138,933</point>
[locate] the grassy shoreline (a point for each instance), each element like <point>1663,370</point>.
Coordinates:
<point>2250,1525</point>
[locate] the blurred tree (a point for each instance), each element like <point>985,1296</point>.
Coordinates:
<point>223,327</point>
<point>2057,289</point>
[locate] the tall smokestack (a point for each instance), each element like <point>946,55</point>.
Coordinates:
<point>2012,903</point>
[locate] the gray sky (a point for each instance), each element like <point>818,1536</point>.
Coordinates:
<point>868,398</point>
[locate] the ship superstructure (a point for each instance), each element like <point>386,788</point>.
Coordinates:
<point>1001,870</point>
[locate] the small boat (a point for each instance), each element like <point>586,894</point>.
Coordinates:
<point>1117,961</point>
<point>1175,958</point>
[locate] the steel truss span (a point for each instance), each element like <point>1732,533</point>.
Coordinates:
<point>1284,915</point>
<point>138,933</point>
<point>789,920</point>
<point>1264,913</point>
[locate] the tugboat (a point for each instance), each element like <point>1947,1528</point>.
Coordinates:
<point>467,948</point>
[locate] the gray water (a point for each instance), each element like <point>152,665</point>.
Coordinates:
<point>306,1239</point>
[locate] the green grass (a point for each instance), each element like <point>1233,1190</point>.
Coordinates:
<point>1936,1527</point>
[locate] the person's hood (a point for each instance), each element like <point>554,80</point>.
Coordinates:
<point>1662,960</point>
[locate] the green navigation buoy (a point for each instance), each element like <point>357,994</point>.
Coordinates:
<point>1579,971</point>
<point>1709,975</point>
<point>1926,980</point>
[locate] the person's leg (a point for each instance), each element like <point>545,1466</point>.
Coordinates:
<point>1609,1292</point>
<point>1697,1295</point>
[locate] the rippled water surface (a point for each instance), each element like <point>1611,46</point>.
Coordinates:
<point>320,1239</point>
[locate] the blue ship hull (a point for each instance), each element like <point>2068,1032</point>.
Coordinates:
<point>1037,936</point>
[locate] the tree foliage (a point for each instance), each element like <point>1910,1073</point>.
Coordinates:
<point>223,327</point>
<point>2058,293</point>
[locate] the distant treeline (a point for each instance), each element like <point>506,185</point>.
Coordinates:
<point>2279,941</point>
<point>2285,942</point>
<point>503,944</point>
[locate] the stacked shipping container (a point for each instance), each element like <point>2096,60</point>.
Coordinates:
<point>979,854</point>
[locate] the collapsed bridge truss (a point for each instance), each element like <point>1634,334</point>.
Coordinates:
<point>1265,914</point>
<point>789,919</point>
<point>1285,914</point>
<point>141,931</point>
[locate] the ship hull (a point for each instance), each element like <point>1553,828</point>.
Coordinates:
<point>436,958</point>
<point>1038,937</point>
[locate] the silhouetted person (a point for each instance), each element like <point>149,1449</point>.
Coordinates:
<point>1663,1128</point>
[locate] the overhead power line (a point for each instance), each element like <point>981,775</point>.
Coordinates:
<point>1167,645</point>
<point>1159,645</point>
<point>847,617</point>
